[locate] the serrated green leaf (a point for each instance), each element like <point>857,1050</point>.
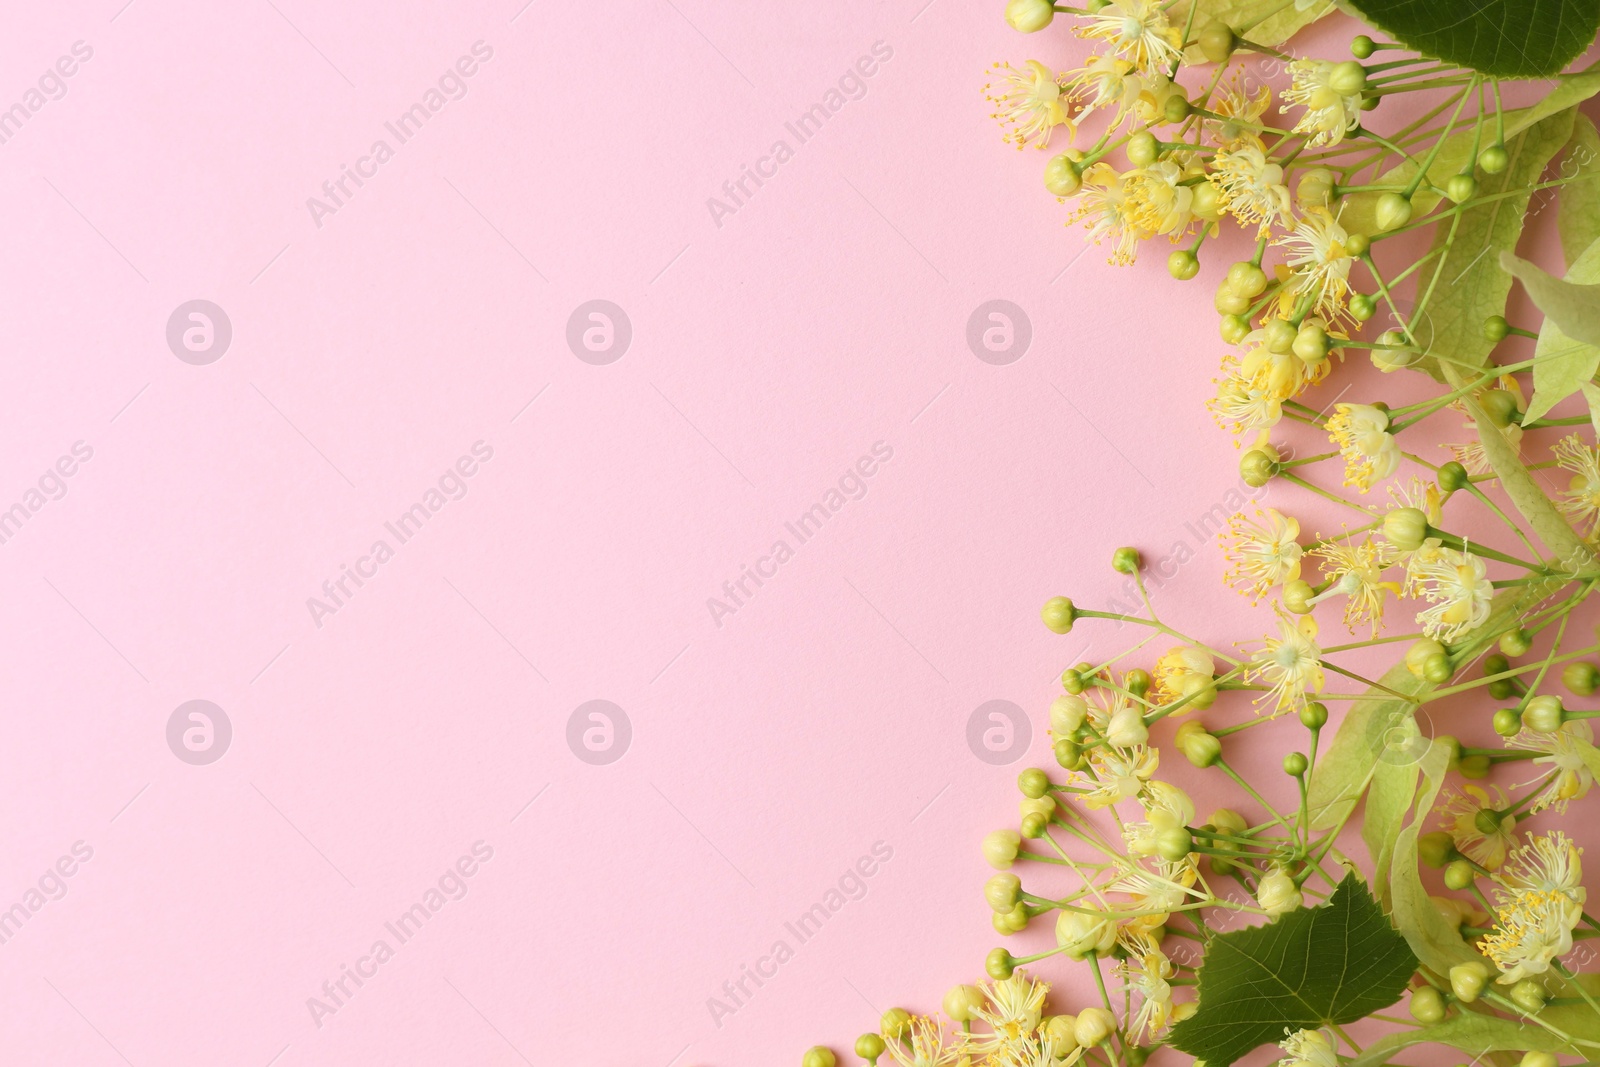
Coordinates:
<point>1310,967</point>
<point>1281,22</point>
<point>1469,1031</point>
<point>1578,214</point>
<point>1472,285</point>
<point>1434,940</point>
<point>1504,38</point>
<point>1565,365</point>
<point>1572,306</point>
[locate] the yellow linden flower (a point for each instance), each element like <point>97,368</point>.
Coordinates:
<point>1146,974</point>
<point>1291,664</point>
<point>1119,773</point>
<point>1250,185</point>
<point>1307,1048</point>
<point>1166,807</point>
<point>1471,455</point>
<point>1014,1010</point>
<point>1154,893</point>
<point>1371,454</point>
<point>1235,100</point>
<point>1356,572</point>
<point>1104,198</point>
<point>927,1044</point>
<point>1581,501</point>
<point>1484,839</point>
<point>1562,752</point>
<point>1185,671</point>
<point>1138,31</point>
<point>1329,113</point>
<point>1029,104</point>
<point>1424,496</point>
<point>1242,403</point>
<point>1456,583</point>
<point>1154,200</point>
<point>1263,554</point>
<point>1550,863</point>
<point>1104,82</point>
<point>1319,265</point>
<point>1533,928</point>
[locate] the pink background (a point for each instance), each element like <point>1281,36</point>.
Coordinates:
<point>429,312</point>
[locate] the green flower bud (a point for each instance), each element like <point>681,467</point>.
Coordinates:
<point>1453,477</point>
<point>1311,344</point>
<point>1174,843</point>
<point>1034,783</point>
<point>1137,681</point>
<point>1347,78</point>
<point>1529,995</point>
<point>895,1022</point>
<point>1062,175</point>
<point>817,1056</point>
<point>1001,847</point>
<point>1362,46</point>
<point>1138,1055</point>
<point>1034,825</point>
<point>1467,980</point>
<point>1246,278</point>
<point>1461,188</point>
<point>1297,596</point>
<point>1069,754</point>
<point>1422,649</point>
<point>961,1001</point>
<point>1076,679</point>
<point>1495,328</point>
<point>1362,307</point>
<point>1314,715</point>
<point>999,964</point>
<point>1227,821</point>
<point>1029,16</point>
<point>1277,893</point>
<point>1294,764</point>
<point>1580,678</point>
<point>1258,467</point>
<point>1507,722</point>
<point>1494,159</point>
<point>1500,405</point>
<point>1280,335</point>
<point>1234,329</point>
<point>1228,302</point>
<point>1083,934</point>
<point>1535,1058</point>
<point>1125,560</point>
<point>1516,642</point>
<point>1393,352</point>
<point>1436,668</point>
<point>1405,528</point>
<point>1058,1030</point>
<point>1094,1025</point>
<point>1142,149</point>
<point>1474,767</point>
<point>1435,849</point>
<point>1058,614</point>
<point>1183,265</point>
<point>869,1047</point>
<point>1012,922</point>
<point>1217,41</point>
<point>1427,1006</point>
<point>1543,714</point>
<point>1002,891</point>
<point>1453,746</point>
<point>1393,211</point>
<point>1458,874</point>
<point>1177,108</point>
<point>1315,188</point>
<point>1198,746</point>
<point>1357,244</point>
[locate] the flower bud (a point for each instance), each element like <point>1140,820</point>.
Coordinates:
<point>1529,995</point>
<point>895,1022</point>
<point>1012,922</point>
<point>1001,847</point>
<point>1315,188</point>
<point>1311,344</point>
<point>1217,41</point>
<point>1059,1030</point>
<point>1246,278</point>
<point>1058,614</point>
<point>1362,307</point>
<point>1228,302</point>
<point>999,964</point>
<point>1082,934</point>
<point>1277,892</point>
<point>1537,1058</point>
<point>1461,188</point>
<point>1258,466</point>
<point>817,1056</point>
<point>869,1047</point>
<point>1423,648</point>
<point>1127,727</point>
<point>1406,529</point>
<point>1093,1026</point>
<point>1069,754</point>
<point>1427,1006</point>
<point>1234,329</point>
<point>1467,979</point>
<point>1034,825</point>
<point>1362,46</point>
<point>1500,405</point>
<point>1435,849</point>
<point>1459,875</point>
<point>1034,783</point>
<point>1227,821</point>
<point>1197,744</point>
<point>1453,477</point>
<point>1183,265</point>
<point>1494,159</point>
<point>1142,148</point>
<point>1029,16</point>
<point>1516,642</point>
<point>1279,335</point>
<point>1474,767</point>
<point>1294,764</point>
<point>1507,722</point>
<point>1067,713</point>
<point>960,1002</point>
<point>1581,678</point>
<point>1062,175</point>
<point>1314,715</point>
<point>1543,714</point>
<point>1177,107</point>
<point>1075,679</point>
<point>1137,681</point>
<point>1495,328</point>
<point>1357,244</point>
<point>1392,352</point>
<point>1002,891</point>
<point>1347,78</point>
<point>1174,844</point>
<point>1125,560</point>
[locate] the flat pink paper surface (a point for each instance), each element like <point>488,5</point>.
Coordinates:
<point>778,362</point>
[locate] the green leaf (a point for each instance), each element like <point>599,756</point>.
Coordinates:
<point>1281,23</point>
<point>1564,364</point>
<point>1573,306</point>
<point>1310,967</point>
<point>1504,38</point>
<point>1591,393</point>
<point>1469,1031</point>
<point>1579,216</point>
<point>1394,783</point>
<point>1433,938</point>
<point>1471,285</point>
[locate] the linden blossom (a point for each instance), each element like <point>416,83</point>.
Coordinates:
<point>851,86</point>
<point>852,485</point>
